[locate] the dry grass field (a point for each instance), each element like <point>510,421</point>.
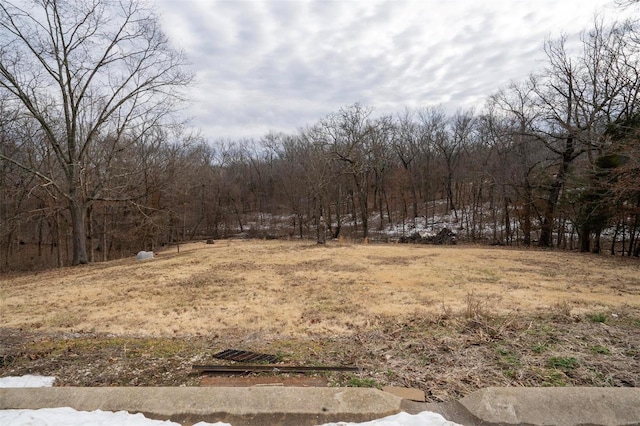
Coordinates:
<point>446,319</point>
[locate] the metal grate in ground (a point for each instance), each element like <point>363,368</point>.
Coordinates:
<point>245,356</point>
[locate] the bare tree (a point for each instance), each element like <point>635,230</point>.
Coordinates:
<point>350,134</point>
<point>578,97</point>
<point>406,144</point>
<point>514,113</point>
<point>449,138</point>
<point>95,75</point>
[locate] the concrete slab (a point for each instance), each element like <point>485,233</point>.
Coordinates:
<point>277,405</point>
<point>238,406</point>
<point>406,393</point>
<point>555,406</point>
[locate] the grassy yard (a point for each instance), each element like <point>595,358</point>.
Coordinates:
<point>446,319</point>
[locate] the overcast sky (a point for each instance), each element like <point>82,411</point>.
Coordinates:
<point>282,64</point>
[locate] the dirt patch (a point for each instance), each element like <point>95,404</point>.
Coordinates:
<point>446,319</point>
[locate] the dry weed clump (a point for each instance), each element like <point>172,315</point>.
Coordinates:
<point>561,309</point>
<point>475,308</point>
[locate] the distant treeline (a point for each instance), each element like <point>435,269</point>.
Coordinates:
<point>553,161</point>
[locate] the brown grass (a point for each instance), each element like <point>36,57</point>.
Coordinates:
<point>448,320</point>
<point>299,288</point>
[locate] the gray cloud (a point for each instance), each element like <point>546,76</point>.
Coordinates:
<point>282,64</point>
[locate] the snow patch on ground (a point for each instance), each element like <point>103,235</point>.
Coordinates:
<point>66,416</point>
<point>426,418</point>
<point>27,381</point>
<point>69,417</point>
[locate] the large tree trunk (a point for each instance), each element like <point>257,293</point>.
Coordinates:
<point>596,242</point>
<point>507,222</point>
<point>336,231</point>
<point>90,232</point>
<point>528,200</point>
<point>78,222</point>
<point>449,189</point>
<point>364,214</point>
<point>381,211</point>
<point>546,230</point>
<point>414,202</point>
<point>632,232</point>
<point>104,235</point>
<point>322,231</point>
<point>59,262</point>
<point>363,201</point>
<point>585,239</point>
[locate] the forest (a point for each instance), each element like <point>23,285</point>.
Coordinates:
<point>94,165</point>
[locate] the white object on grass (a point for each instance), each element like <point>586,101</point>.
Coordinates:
<point>142,255</point>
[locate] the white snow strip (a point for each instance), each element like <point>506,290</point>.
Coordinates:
<point>66,416</point>
<point>27,381</point>
<point>426,418</point>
